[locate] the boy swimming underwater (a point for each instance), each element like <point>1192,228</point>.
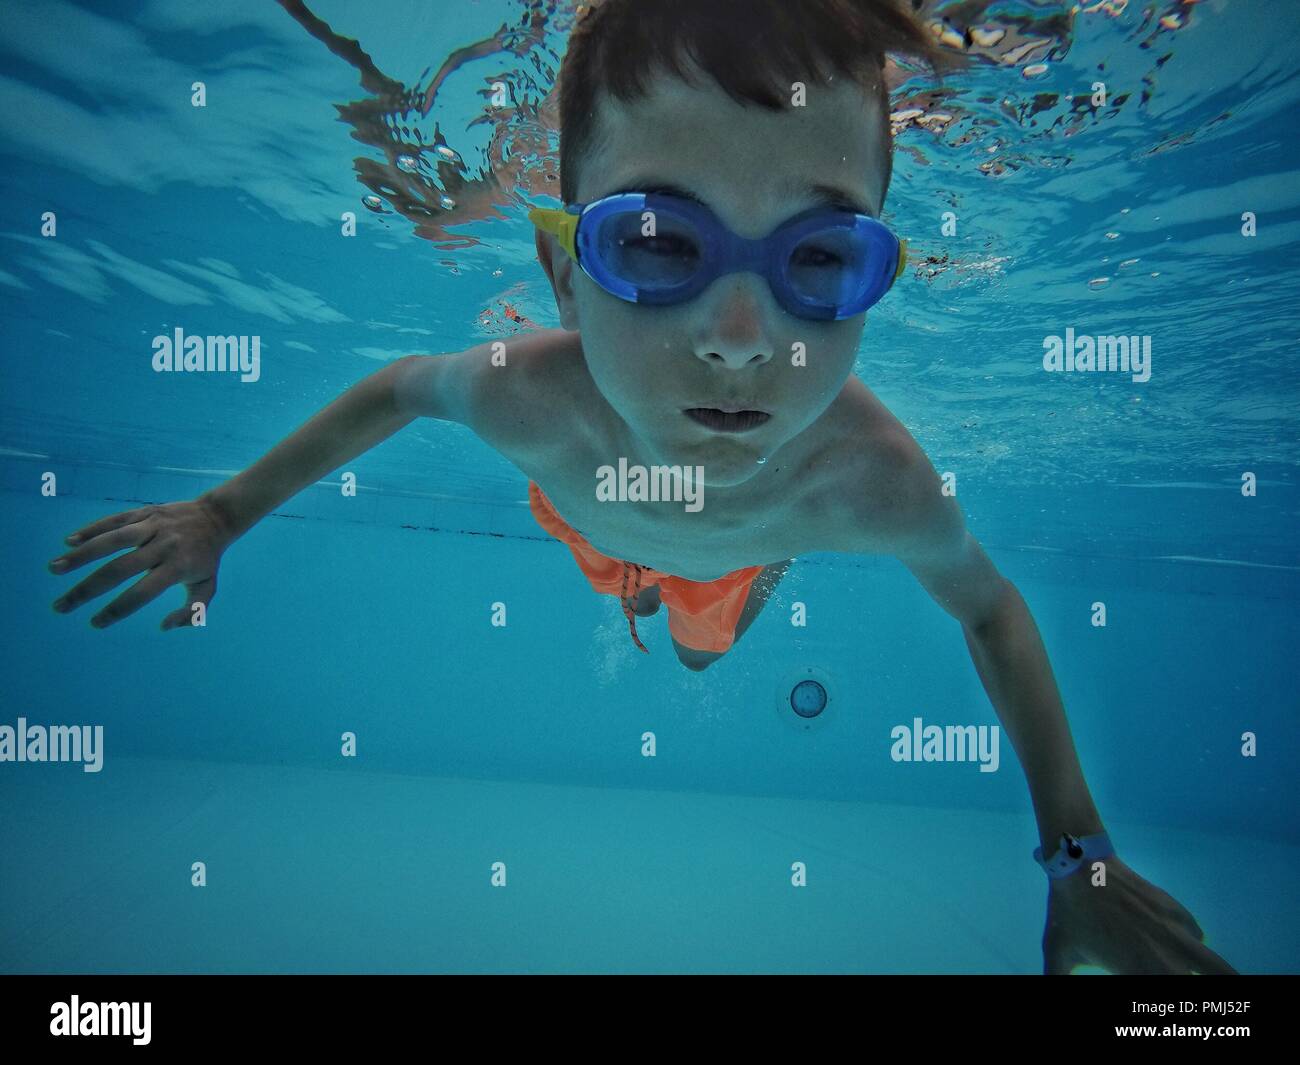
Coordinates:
<point>723,166</point>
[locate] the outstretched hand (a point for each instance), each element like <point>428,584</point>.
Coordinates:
<point>1127,927</point>
<point>174,543</point>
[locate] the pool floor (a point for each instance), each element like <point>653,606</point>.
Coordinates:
<point>313,870</point>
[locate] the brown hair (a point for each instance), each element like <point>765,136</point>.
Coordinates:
<point>749,47</point>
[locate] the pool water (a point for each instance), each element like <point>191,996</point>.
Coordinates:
<point>501,812</point>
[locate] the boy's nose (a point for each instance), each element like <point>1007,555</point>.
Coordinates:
<point>734,327</point>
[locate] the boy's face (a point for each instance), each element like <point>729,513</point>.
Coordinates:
<point>731,346</point>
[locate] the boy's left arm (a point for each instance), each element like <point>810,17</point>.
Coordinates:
<point>1130,925</point>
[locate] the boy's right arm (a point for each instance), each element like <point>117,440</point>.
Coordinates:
<point>458,387</point>
<point>182,543</point>
<point>365,415</point>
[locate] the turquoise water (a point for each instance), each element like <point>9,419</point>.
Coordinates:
<point>523,744</point>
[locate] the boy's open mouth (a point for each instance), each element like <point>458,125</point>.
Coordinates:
<point>727,421</point>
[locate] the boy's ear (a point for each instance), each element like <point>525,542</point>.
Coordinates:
<point>559,269</point>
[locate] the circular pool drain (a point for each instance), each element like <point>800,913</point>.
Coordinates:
<point>804,696</point>
<point>808,698</point>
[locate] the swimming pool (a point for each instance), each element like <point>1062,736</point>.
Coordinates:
<point>483,751</point>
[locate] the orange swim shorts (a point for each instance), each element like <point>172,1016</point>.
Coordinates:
<point>701,614</point>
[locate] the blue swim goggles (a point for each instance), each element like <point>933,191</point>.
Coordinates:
<point>826,263</point>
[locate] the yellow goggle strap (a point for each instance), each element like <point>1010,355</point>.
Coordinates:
<point>902,260</point>
<point>560,224</point>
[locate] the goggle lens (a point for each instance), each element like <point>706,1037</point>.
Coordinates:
<point>651,253</point>
<point>826,267</point>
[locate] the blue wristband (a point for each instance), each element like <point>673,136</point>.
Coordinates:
<point>1073,852</point>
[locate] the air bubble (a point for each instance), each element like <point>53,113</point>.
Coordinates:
<point>373,203</point>
<point>951,38</point>
<point>449,154</point>
<point>408,163</point>
<point>937,118</point>
<point>446,202</point>
<point>1099,282</point>
<point>1034,70</point>
<point>987,38</point>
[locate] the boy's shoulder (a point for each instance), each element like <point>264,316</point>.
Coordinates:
<point>875,448</point>
<point>538,347</point>
<point>548,361</point>
<point>528,389</point>
<point>518,392</point>
<point>890,493</point>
